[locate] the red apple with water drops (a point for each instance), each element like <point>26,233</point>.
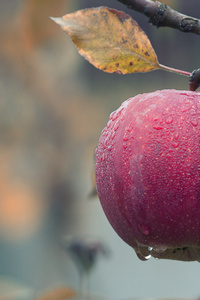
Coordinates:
<point>148,174</point>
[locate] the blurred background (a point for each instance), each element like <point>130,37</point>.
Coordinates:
<point>53,107</point>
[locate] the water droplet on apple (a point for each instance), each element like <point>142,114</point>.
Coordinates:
<point>193,111</point>
<point>176,135</point>
<point>194,122</point>
<point>130,126</point>
<point>105,144</point>
<point>175,144</point>
<point>156,118</point>
<point>116,126</point>
<point>158,127</point>
<point>160,248</point>
<point>125,138</point>
<point>114,115</point>
<point>109,124</point>
<point>169,120</point>
<point>145,229</point>
<point>125,146</point>
<point>100,159</point>
<point>111,115</point>
<point>104,156</point>
<point>112,135</point>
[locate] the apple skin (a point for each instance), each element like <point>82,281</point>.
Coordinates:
<point>147,174</point>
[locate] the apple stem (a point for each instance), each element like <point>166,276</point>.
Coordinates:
<point>174,70</point>
<point>194,81</point>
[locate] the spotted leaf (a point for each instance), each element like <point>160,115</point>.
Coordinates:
<point>110,40</point>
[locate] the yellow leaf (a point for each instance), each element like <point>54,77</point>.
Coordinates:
<point>109,39</point>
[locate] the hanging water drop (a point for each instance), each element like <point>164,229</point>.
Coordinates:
<point>141,257</point>
<point>148,256</point>
<point>144,253</point>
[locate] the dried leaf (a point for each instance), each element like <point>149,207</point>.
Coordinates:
<point>109,39</point>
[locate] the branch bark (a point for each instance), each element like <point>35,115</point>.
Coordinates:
<point>161,15</point>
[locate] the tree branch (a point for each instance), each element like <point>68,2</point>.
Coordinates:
<point>161,15</point>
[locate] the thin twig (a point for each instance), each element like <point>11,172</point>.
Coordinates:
<point>161,15</point>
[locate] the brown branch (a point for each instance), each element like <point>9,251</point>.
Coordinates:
<point>161,15</point>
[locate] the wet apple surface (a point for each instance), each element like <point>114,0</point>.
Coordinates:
<point>148,174</point>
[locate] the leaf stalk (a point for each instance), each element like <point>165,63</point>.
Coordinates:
<point>173,70</point>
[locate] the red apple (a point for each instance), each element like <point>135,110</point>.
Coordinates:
<point>148,174</point>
